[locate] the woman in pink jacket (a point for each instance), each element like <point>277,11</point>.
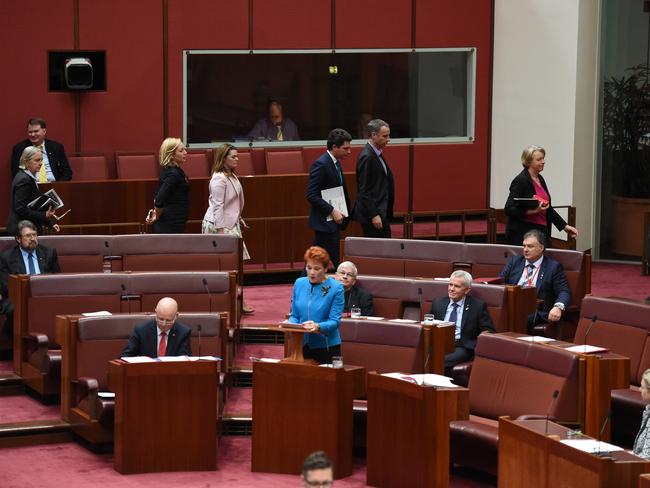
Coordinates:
<point>226,200</point>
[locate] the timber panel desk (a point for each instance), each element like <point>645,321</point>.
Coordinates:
<point>408,432</point>
<point>299,409</point>
<point>164,415</point>
<point>531,459</point>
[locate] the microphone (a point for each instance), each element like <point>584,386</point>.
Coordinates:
<point>550,406</point>
<point>420,299</point>
<point>126,296</point>
<point>599,452</point>
<point>214,243</point>
<point>594,319</point>
<point>198,327</point>
<point>207,289</point>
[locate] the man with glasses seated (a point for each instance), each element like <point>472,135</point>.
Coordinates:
<point>317,470</point>
<point>27,257</point>
<point>160,336</point>
<point>355,297</point>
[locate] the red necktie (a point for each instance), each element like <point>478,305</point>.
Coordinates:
<point>162,347</point>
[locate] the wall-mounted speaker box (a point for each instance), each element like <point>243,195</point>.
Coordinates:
<point>76,71</point>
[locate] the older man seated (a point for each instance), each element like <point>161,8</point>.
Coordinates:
<point>355,297</point>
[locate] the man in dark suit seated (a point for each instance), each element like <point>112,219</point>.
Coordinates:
<point>355,297</point>
<point>535,269</point>
<point>27,257</point>
<point>470,315</point>
<point>162,335</point>
<point>55,163</point>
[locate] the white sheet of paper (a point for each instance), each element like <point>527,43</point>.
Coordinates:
<point>204,358</point>
<point>404,321</point>
<point>585,349</point>
<point>101,313</point>
<point>336,198</point>
<point>106,394</point>
<point>535,339</point>
<point>370,317</point>
<point>590,445</point>
<point>427,379</point>
<point>138,359</point>
<point>173,359</point>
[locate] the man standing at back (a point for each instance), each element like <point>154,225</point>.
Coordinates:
<point>375,186</point>
<point>325,173</point>
<point>55,163</point>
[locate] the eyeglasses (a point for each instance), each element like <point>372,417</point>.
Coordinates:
<point>345,273</point>
<point>165,321</point>
<point>29,235</point>
<point>325,484</point>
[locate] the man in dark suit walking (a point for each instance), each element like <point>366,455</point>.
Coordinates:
<point>55,163</point>
<point>162,335</point>
<point>535,269</point>
<point>373,208</point>
<point>470,315</point>
<point>27,257</point>
<point>325,173</point>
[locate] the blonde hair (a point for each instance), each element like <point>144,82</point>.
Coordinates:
<point>220,155</point>
<point>28,154</point>
<point>529,152</point>
<point>167,149</point>
<point>645,377</point>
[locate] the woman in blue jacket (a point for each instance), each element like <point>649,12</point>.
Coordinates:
<point>317,304</point>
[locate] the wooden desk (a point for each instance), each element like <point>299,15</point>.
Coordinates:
<point>644,481</point>
<point>604,372</point>
<point>299,409</point>
<point>529,458</point>
<point>408,432</point>
<point>164,415</point>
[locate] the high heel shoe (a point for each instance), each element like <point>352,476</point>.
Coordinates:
<point>246,309</point>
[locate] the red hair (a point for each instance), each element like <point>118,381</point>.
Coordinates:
<point>316,253</point>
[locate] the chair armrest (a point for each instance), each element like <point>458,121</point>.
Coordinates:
<point>87,389</point>
<point>35,348</point>
<point>461,372</point>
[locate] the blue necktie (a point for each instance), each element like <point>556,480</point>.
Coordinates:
<point>453,316</point>
<point>30,262</point>
<point>339,171</point>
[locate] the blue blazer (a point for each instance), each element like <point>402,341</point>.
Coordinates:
<point>144,340</point>
<point>323,175</point>
<point>552,284</point>
<point>322,303</point>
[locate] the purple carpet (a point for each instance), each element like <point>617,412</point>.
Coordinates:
<point>73,466</point>
<point>22,408</point>
<point>619,280</point>
<point>271,304</point>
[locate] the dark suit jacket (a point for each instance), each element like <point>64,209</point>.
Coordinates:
<point>375,189</point>
<point>144,340</point>
<point>476,318</point>
<point>24,190</point>
<point>522,187</point>
<point>323,175</point>
<point>552,284</point>
<point>11,262</point>
<point>172,194</point>
<point>358,297</point>
<point>55,154</point>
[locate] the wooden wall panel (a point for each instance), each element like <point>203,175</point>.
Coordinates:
<point>373,24</point>
<point>291,24</point>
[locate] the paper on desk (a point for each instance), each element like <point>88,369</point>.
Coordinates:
<point>173,359</point>
<point>585,349</point>
<point>106,394</point>
<point>138,359</point>
<point>404,321</point>
<point>426,379</point>
<point>204,358</point>
<point>97,314</point>
<point>370,317</point>
<point>535,339</point>
<point>264,360</point>
<point>590,445</point>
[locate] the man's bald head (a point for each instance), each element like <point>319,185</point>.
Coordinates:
<point>166,313</point>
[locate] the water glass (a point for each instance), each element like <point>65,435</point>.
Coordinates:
<point>355,312</point>
<point>337,362</point>
<point>428,319</point>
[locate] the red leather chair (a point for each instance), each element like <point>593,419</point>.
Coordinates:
<point>136,166</point>
<point>196,165</point>
<point>89,167</point>
<point>245,166</point>
<point>284,162</point>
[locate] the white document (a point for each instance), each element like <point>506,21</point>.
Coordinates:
<point>424,379</point>
<point>173,359</point>
<point>585,349</point>
<point>203,358</point>
<point>264,360</point>
<point>101,313</point>
<point>404,321</point>
<point>138,359</point>
<point>106,394</point>
<point>336,198</point>
<point>535,339</point>
<point>370,317</point>
<point>591,445</point>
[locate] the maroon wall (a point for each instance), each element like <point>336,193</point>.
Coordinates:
<point>144,40</point>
